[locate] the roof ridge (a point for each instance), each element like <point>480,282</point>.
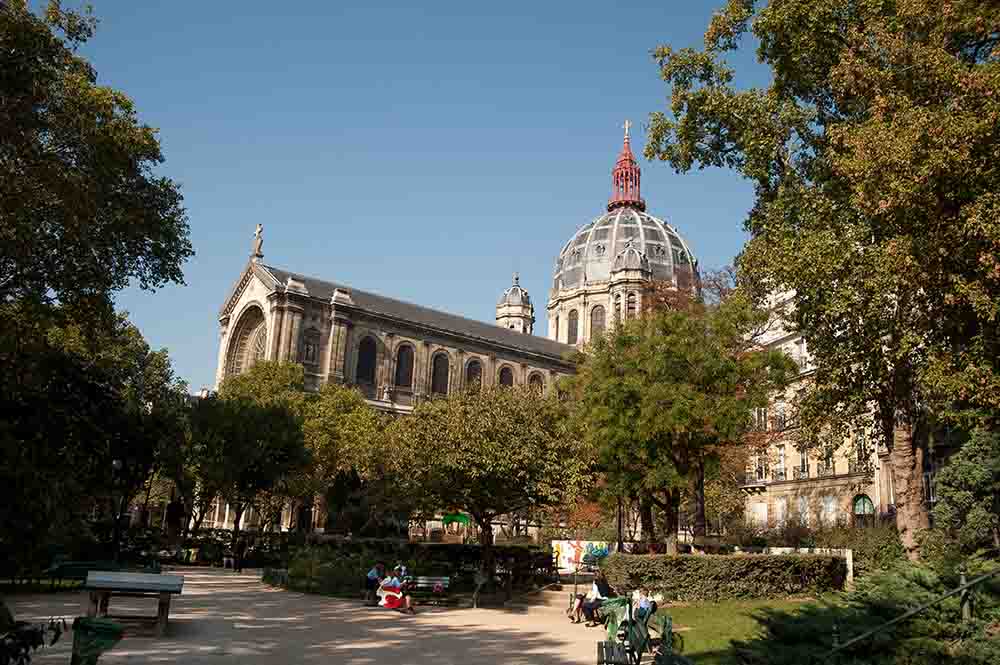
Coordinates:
<point>499,332</point>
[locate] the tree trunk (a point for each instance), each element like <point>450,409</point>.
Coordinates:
<point>699,502</point>
<point>912,515</point>
<point>237,516</point>
<point>646,520</point>
<point>489,566</point>
<point>671,518</point>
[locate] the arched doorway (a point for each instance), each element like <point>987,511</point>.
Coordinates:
<point>506,376</point>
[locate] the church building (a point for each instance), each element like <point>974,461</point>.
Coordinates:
<point>397,352</point>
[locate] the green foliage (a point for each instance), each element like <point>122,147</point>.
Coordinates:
<point>658,397</point>
<point>968,493</point>
<point>338,568</point>
<point>872,153</point>
<point>246,448</point>
<point>487,453</point>
<point>80,390</point>
<point>691,578</point>
<point>83,212</point>
<point>875,547</point>
<point>935,636</point>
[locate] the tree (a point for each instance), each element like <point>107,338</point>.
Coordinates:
<point>77,397</point>
<point>659,395</point>
<point>343,434</point>
<point>968,494</point>
<point>247,448</point>
<point>487,453</point>
<point>82,213</point>
<point>873,153</point>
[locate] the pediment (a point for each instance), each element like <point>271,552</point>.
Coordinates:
<point>252,271</point>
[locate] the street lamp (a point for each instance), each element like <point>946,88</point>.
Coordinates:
<point>116,467</point>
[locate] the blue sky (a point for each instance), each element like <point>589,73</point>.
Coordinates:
<point>424,153</point>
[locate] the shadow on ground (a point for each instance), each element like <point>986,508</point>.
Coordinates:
<point>225,617</point>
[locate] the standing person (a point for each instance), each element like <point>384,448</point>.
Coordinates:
<point>372,582</point>
<point>239,551</point>
<point>599,592</point>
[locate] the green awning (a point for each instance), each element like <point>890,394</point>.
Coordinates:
<point>457,518</point>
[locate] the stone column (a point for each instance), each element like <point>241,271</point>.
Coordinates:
<point>274,327</point>
<point>220,370</point>
<point>459,383</point>
<point>290,334</point>
<point>336,356</point>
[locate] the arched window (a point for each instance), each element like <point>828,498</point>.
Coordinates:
<point>473,375</point>
<point>864,511</point>
<point>618,307</point>
<point>248,343</point>
<point>439,375</point>
<point>630,305</point>
<point>536,382</point>
<point>557,328</point>
<point>404,367</point>
<point>506,376</point>
<point>573,322</point>
<point>367,357</point>
<point>596,321</point>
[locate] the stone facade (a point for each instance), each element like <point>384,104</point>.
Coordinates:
<point>395,352</point>
<point>849,484</point>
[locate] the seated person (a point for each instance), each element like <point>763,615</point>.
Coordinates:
<point>599,592</point>
<point>373,580</point>
<point>393,592</point>
<point>576,610</point>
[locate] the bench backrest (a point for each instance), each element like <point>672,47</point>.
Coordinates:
<point>134,582</point>
<point>431,581</point>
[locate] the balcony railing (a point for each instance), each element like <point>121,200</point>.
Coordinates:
<point>856,466</point>
<point>754,478</point>
<point>779,475</point>
<point>825,469</point>
<point>799,473</point>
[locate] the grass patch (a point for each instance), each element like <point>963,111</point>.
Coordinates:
<point>710,627</point>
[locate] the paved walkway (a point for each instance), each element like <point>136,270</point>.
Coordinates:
<point>224,617</point>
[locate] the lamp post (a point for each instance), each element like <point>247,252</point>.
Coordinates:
<point>116,467</point>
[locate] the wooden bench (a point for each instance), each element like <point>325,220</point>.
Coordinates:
<point>427,585</point>
<point>100,586</point>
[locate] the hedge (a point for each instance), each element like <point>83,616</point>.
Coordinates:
<point>725,577</point>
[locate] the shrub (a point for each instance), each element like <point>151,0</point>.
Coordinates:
<point>875,547</point>
<point>938,635</point>
<point>712,577</point>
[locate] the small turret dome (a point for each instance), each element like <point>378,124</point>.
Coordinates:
<point>515,295</point>
<point>630,258</point>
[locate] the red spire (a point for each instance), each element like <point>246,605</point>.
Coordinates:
<point>625,179</point>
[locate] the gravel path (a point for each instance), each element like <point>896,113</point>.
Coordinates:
<point>224,617</point>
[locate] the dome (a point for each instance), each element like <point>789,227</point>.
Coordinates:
<point>624,237</point>
<point>515,295</point>
<point>630,259</point>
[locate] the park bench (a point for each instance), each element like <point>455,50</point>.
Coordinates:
<point>633,641</point>
<point>100,586</point>
<point>429,587</point>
